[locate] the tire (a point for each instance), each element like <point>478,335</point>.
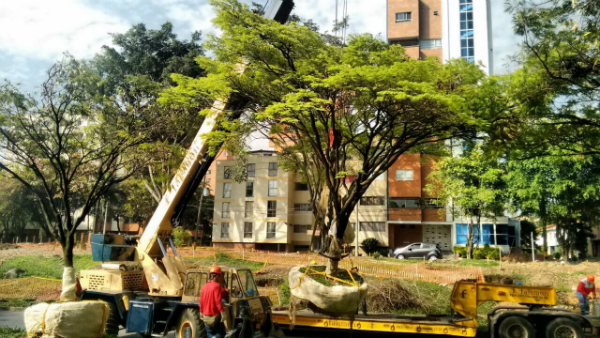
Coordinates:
<point>400,257</point>
<point>432,258</point>
<point>564,328</point>
<point>190,321</point>
<point>516,327</point>
<point>113,320</point>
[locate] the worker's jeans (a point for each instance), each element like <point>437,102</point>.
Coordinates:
<point>584,304</point>
<point>217,330</point>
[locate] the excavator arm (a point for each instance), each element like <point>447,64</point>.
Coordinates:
<point>164,272</point>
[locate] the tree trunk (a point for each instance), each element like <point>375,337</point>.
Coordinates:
<point>69,284</point>
<point>470,235</point>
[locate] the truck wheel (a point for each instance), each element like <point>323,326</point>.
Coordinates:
<point>190,325</point>
<point>516,327</point>
<point>564,328</point>
<point>112,322</point>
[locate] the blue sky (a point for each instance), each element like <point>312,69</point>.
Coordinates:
<point>35,33</point>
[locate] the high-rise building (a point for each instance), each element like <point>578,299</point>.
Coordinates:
<point>446,29</point>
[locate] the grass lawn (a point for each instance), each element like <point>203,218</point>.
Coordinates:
<point>45,266</point>
<point>17,302</point>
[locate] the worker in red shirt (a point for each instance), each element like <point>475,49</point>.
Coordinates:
<point>585,288</point>
<point>211,306</point>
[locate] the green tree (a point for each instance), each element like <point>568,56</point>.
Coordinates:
<point>559,78</point>
<point>336,112</point>
<point>135,71</point>
<point>70,148</point>
<point>18,208</point>
<point>473,184</point>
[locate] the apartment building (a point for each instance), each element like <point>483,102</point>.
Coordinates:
<point>446,29</point>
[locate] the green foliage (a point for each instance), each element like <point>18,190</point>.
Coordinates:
<point>376,255</point>
<point>557,255</point>
<point>370,245</point>
<point>12,333</point>
<point>461,251</point>
<point>180,236</point>
<point>18,208</point>
<point>284,292</point>
<point>17,302</point>
<point>325,104</point>
<point>474,183</point>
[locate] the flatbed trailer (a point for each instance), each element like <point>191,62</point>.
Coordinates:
<point>380,323</point>
<point>535,316</point>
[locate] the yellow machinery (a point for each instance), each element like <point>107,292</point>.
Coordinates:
<point>532,317</point>
<point>152,300</point>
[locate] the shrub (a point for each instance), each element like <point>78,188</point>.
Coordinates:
<point>377,255</point>
<point>479,254</point>
<point>461,251</point>
<point>180,236</point>
<point>284,292</point>
<point>370,245</point>
<point>557,255</point>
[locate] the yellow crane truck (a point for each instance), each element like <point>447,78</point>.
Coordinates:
<point>156,299</point>
<point>535,316</point>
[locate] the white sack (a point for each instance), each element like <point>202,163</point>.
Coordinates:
<point>84,319</point>
<point>342,299</point>
<point>69,286</point>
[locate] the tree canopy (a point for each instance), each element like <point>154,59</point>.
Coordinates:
<point>340,115</point>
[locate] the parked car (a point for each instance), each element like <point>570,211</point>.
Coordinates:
<point>428,251</point>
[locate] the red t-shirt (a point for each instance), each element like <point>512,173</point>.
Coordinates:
<point>585,287</point>
<point>210,299</point>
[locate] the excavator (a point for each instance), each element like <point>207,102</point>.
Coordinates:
<point>163,295</point>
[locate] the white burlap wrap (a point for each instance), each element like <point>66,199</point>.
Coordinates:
<point>342,299</point>
<point>83,319</point>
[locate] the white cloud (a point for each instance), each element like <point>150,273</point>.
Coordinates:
<point>46,29</point>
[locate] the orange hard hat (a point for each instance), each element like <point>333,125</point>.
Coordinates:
<point>590,278</point>
<point>216,270</point>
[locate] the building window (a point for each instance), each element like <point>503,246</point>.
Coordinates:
<point>248,209</point>
<point>225,210</point>
<point>251,170</point>
<point>467,43</point>
<point>404,203</point>
<point>226,190</point>
<point>432,203</point>
<point>405,175</point>
<point>300,186</point>
<point>404,17</point>
<point>487,234</point>
<point>271,229</point>
<point>430,44</point>
<point>372,226</point>
<point>271,208</point>
<point>208,172</point>
<point>272,168</point>
<point>506,235</point>
<point>227,173</point>
<point>249,189</point>
<point>301,228</point>
<point>272,188</point>
<point>301,207</point>
<point>462,233</point>
<point>372,200</point>
<point>224,230</point>
<point>247,229</point>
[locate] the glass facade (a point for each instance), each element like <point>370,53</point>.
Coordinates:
<point>467,43</point>
<point>505,234</point>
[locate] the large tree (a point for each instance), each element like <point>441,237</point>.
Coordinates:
<point>558,104</point>
<point>69,148</point>
<point>18,209</point>
<point>341,115</point>
<point>135,70</point>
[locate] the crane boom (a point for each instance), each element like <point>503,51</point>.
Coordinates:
<point>162,271</point>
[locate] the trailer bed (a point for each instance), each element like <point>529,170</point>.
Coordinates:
<point>381,322</point>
